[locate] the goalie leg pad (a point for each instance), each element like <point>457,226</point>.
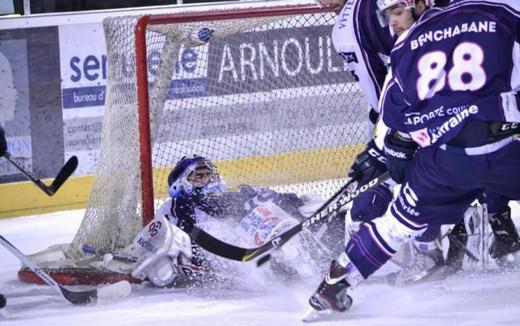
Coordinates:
<point>157,247</point>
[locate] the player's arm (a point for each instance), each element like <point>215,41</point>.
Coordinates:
<point>399,147</point>
<point>371,163</point>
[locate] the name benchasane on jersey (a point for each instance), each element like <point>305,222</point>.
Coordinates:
<point>453,31</point>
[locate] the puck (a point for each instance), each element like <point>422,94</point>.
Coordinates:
<point>262,260</point>
<point>3,301</point>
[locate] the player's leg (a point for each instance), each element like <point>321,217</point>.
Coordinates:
<point>426,198</point>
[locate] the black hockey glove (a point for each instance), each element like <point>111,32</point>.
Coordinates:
<point>368,165</point>
<point>399,152</point>
<point>3,143</point>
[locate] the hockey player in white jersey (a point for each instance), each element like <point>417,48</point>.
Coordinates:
<point>448,158</point>
<point>163,252</point>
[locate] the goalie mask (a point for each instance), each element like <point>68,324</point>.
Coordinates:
<point>194,173</point>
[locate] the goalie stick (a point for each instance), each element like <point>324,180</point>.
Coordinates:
<point>113,291</point>
<point>65,172</point>
<point>329,209</point>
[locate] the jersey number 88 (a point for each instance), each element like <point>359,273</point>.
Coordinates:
<point>467,73</point>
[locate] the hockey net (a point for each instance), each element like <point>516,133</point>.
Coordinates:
<point>259,91</point>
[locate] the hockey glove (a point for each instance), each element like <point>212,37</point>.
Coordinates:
<point>399,152</point>
<point>371,204</point>
<point>3,143</point>
<point>369,164</point>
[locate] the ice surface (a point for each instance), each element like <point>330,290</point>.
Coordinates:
<point>471,298</point>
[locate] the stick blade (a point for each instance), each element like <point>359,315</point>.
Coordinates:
<point>79,297</point>
<point>114,291</point>
<point>216,246</point>
<point>109,292</point>
<point>65,172</point>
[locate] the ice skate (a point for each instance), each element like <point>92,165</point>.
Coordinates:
<point>331,296</point>
<point>428,265</point>
<point>505,248</point>
<point>456,254</point>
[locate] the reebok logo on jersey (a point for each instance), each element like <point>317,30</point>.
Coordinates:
<point>395,154</point>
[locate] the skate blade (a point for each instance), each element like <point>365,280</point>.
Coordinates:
<point>509,261</point>
<point>431,275</point>
<point>314,315</point>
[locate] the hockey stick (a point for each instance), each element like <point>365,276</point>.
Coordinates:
<point>329,209</point>
<point>88,249</point>
<point>62,176</point>
<point>112,291</point>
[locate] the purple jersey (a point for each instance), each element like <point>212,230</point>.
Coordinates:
<point>451,68</point>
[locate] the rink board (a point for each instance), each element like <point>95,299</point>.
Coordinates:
<point>23,198</point>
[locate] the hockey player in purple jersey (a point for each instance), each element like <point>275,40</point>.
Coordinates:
<point>452,106</point>
<point>363,37</point>
<point>506,239</point>
<point>349,36</point>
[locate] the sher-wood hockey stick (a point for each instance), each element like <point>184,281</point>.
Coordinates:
<point>113,291</point>
<point>329,209</point>
<point>65,172</point>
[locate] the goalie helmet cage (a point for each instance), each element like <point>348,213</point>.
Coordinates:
<point>258,90</point>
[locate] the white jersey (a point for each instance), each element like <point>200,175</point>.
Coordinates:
<point>262,221</point>
<point>362,41</point>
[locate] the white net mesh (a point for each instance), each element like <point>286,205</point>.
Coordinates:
<point>268,100</point>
